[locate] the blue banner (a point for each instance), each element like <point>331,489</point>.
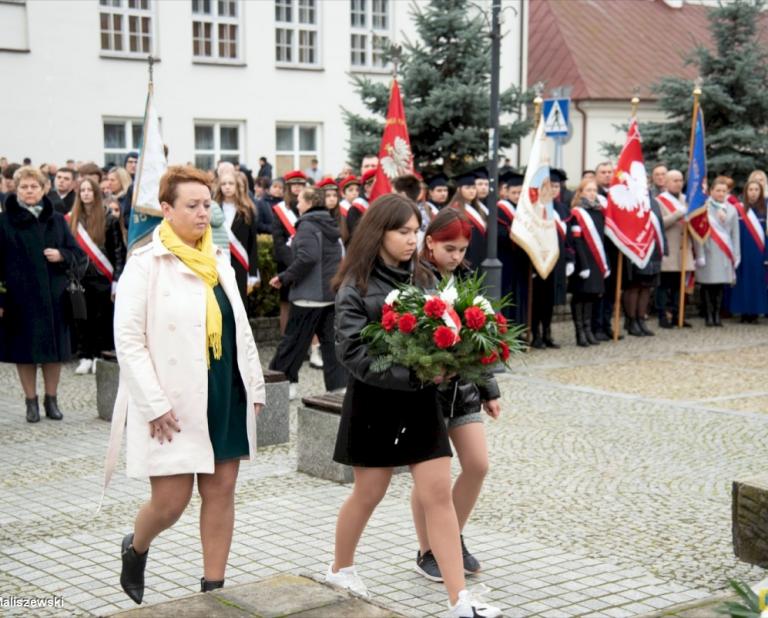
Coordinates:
<point>697,178</point>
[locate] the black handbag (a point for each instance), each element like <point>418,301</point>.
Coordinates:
<point>76,295</point>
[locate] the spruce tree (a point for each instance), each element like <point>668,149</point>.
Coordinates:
<point>445,82</point>
<point>734,100</point>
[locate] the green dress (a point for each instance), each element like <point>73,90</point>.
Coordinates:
<point>227,401</point>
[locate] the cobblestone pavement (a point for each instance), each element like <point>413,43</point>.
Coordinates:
<point>609,492</point>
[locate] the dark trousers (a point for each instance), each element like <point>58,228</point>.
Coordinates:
<point>543,302</point>
<point>668,294</point>
<point>94,334</point>
<point>602,313</point>
<point>303,324</point>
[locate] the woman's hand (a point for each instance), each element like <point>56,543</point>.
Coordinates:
<point>492,408</point>
<point>443,377</point>
<point>53,255</point>
<point>257,408</point>
<point>275,282</point>
<point>163,427</point>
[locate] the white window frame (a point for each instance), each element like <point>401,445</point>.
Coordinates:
<point>128,124</point>
<point>126,13</point>
<point>297,29</point>
<point>297,152</point>
<point>367,30</point>
<point>216,20</point>
<point>217,151</point>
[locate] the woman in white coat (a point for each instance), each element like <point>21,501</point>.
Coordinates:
<point>190,379</point>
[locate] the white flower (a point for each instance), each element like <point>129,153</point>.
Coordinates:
<point>484,304</point>
<point>392,297</point>
<point>764,613</point>
<point>449,295</point>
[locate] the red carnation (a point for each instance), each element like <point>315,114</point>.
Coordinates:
<point>407,323</point>
<point>389,320</point>
<point>504,351</point>
<point>490,359</point>
<point>444,337</point>
<point>435,308</point>
<point>474,317</point>
<point>386,309</point>
<point>502,322</point>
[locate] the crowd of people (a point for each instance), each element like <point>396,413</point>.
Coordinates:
<point>69,284</point>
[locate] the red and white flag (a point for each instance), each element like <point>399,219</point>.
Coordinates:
<point>395,156</point>
<point>628,214</point>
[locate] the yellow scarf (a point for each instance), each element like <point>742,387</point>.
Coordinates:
<point>202,261</point>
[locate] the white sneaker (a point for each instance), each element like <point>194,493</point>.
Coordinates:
<point>84,367</point>
<point>315,358</point>
<point>470,605</point>
<point>293,390</point>
<point>348,579</point>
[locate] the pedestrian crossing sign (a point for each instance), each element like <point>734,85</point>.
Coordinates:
<point>556,117</point>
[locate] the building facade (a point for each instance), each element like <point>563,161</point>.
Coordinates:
<point>233,79</point>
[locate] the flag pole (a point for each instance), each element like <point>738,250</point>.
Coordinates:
<point>684,244</point>
<point>537,102</point>
<point>620,258</point>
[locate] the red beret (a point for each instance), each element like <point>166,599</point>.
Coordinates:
<point>327,183</point>
<point>295,176</point>
<point>369,175</point>
<point>349,180</point>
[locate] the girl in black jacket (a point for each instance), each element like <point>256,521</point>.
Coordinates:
<point>99,234</point>
<point>445,243</point>
<point>389,418</point>
<point>586,234</point>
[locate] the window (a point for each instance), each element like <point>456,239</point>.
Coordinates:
<point>296,146</point>
<point>216,30</point>
<point>13,26</point>
<point>297,33</point>
<point>370,33</point>
<point>121,136</point>
<point>126,27</point>
<point>217,141</point>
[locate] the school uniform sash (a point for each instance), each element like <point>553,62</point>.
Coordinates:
<point>670,203</point>
<point>361,204</point>
<point>484,209</point>
<point>433,209</point>
<point>237,250</point>
<point>752,224</point>
<point>288,218</point>
<point>603,201</point>
<point>657,232</point>
<point>91,249</point>
<point>560,226</point>
<point>507,208</point>
<point>721,238</point>
<point>592,238</point>
<point>475,218</point>
<point>344,206</point>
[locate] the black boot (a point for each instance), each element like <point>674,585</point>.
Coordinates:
<point>644,328</point>
<point>132,575</point>
<point>536,341</point>
<point>33,410</point>
<point>207,586</point>
<point>591,339</point>
<point>717,303</point>
<point>548,341</point>
<point>634,328</point>
<point>664,320</point>
<point>52,408</point>
<point>577,311</point>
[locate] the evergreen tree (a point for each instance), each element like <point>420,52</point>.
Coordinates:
<point>734,99</point>
<point>445,82</point>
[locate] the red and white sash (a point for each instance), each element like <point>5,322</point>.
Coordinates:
<point>601,199</point>
<point>561,227</point>
<point>507,208</point>
<point>434,209</point>
<point>657,232</point>
<point>475,218</point>
<point>721,238</point>
<point>288,218</point>
<point>344,206</point>
<point>753,225</point>
<point>361,204</point>
<point>592,238</point>
<point>670,203</point>
<point>237,250</point>
<point>484,209</point>
<point>96,255</point>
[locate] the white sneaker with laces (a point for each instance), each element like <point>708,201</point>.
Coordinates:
<point>84,367</point>
<point>293,391</point>
<point>348,579</point>
<point>315,358</point>
<point>470,605</point>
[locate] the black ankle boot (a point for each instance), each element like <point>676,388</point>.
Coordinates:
<point>548,341</point>
<point>588,334</point>
<point>207,586</point>
<point>33,410</point>
<point>644,328</point>
<point>132,575</point>
<point>52,408</point>
<point>634,328</point>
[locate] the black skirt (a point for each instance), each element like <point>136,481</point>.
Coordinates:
<point>383,428</point>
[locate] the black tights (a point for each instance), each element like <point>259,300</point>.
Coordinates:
<point>635,302</point>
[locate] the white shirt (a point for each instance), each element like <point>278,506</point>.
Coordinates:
<point>229,213</point>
